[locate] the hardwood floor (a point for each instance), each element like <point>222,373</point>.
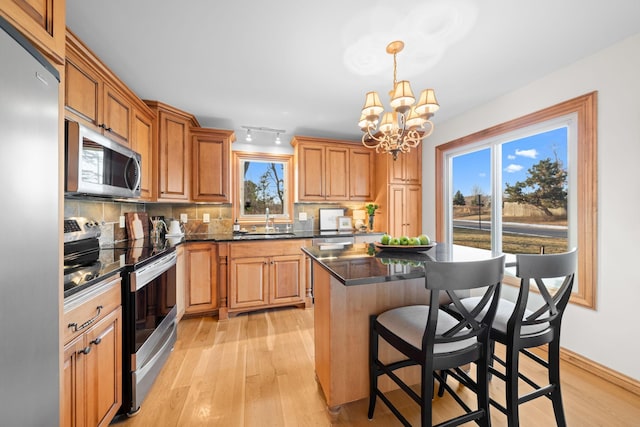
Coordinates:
<point>258,370</point>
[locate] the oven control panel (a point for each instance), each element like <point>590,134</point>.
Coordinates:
<point>80,228</point>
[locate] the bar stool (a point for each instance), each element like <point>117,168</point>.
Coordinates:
<point>532,322</point>
<point>435,340</point>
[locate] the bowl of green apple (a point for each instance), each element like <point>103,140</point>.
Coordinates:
<point>420,243</point>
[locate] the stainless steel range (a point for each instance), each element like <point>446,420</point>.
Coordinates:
<point>149,325</point>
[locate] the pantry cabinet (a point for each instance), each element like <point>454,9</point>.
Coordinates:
<point>399,194</point>
<point>267,274</point>
<point>210,166</point>
<point>42,22</point>
<point>201,272</point>
<point>92,360</point>
<point>171,134</point>
<point>332,170</point>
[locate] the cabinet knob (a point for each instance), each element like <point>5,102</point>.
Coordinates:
<point>96,341</point>
<point>85,350</point>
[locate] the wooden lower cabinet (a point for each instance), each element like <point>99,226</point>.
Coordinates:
<point>201,278</point>
<point>92,365</point>
<point>267,274</point>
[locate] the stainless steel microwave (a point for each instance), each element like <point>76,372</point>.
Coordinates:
<point>98,166</point>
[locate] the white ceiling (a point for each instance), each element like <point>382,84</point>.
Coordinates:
<point>305,66</point>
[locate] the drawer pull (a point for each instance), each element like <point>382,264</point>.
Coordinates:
<point>96,341</point>
<point>85,350</point>
<point>77,328</point>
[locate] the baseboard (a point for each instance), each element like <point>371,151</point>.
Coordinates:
<point>629,384</point>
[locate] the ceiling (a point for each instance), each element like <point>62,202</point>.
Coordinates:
<point>305,67</point>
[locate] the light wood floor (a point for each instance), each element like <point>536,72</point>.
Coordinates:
<point>258,370</point>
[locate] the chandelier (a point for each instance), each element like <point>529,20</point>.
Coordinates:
<point>403,128</point>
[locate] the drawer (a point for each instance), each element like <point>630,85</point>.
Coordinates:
<point>88,307</point>
<point>267,248</point>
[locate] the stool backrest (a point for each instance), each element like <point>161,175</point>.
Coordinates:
<point>536,268</point>
<point>447,279</point>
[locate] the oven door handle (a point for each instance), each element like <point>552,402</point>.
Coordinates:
<point>141,277</point>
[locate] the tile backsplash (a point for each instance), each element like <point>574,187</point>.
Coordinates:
<point>108,212</point>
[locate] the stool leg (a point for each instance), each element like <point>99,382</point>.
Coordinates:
<point>373,370</point>
<point>427,396</point>
<point>511,384</point>
<point>554,378</point>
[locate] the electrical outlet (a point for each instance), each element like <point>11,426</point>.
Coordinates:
<point>183,218</point>
<point>121,221</point>
<point>206,218</point>
<point>302,216</point>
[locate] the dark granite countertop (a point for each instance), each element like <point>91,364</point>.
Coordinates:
<point>363,263</point>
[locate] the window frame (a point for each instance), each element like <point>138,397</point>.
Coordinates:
<point>287,160</point>
<point>585,109</point>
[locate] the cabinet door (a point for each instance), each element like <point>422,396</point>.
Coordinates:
<point>286,279</point>
<point>42,21</point>
<point>181,278</point>
<point>117,115</point>
<point>396,210</point>
<point>210,166</point>
<point>73,377</point>
<point>174,157</point>
<point>413,211</point>
<point>104,369</point>
<point>361,177</point>
<point>142,143</point>
<point>407,169</point>
<point>311,172</point>
<point>202,274</point>
<point>413,166</point>
<point>83,92</point>
<point>248,285</point>
<point>337,174</point>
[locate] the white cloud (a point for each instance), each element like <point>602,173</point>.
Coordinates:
<point>511,157</point>
<point>532,153</point>
<point>482,174</point>
<point>513,168</point>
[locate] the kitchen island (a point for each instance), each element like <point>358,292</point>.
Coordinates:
<point>349,285</point>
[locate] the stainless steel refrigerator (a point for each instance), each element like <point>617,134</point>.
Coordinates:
<point>29,254</point>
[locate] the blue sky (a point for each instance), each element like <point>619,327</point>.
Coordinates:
<point>474,169</point>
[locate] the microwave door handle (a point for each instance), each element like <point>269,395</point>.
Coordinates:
<point>138,172</point>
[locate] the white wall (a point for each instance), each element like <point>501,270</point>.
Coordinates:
<point>609,334</point>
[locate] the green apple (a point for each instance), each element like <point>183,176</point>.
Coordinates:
<point>424,239</point>
<point>404,240</point>
<point>394,241</point>
<point>414,241</point>
<point>385,239</point>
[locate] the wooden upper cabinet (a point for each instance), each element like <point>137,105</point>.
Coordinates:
<point>95,97</point>
<point>336,176</point>
<point>83,91</point>
<point>407,169</point>
<point>332,170</point>
<point>211,161</point>
<point>361,174</point>
<point>142,142</point>
<point>41,21</point>
<point>117,115</point>
<point>172,151</point>
<point>311,161</point>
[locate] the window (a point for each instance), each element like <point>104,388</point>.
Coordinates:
<point>525,186</point>
<point>262,181</point>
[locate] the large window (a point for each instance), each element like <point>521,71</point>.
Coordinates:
<point>526,186</point>
<point>262,181</point>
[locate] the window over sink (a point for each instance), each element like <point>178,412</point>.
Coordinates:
<point>262,181</point>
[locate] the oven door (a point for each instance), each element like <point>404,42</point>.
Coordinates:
<point>150,328</point>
